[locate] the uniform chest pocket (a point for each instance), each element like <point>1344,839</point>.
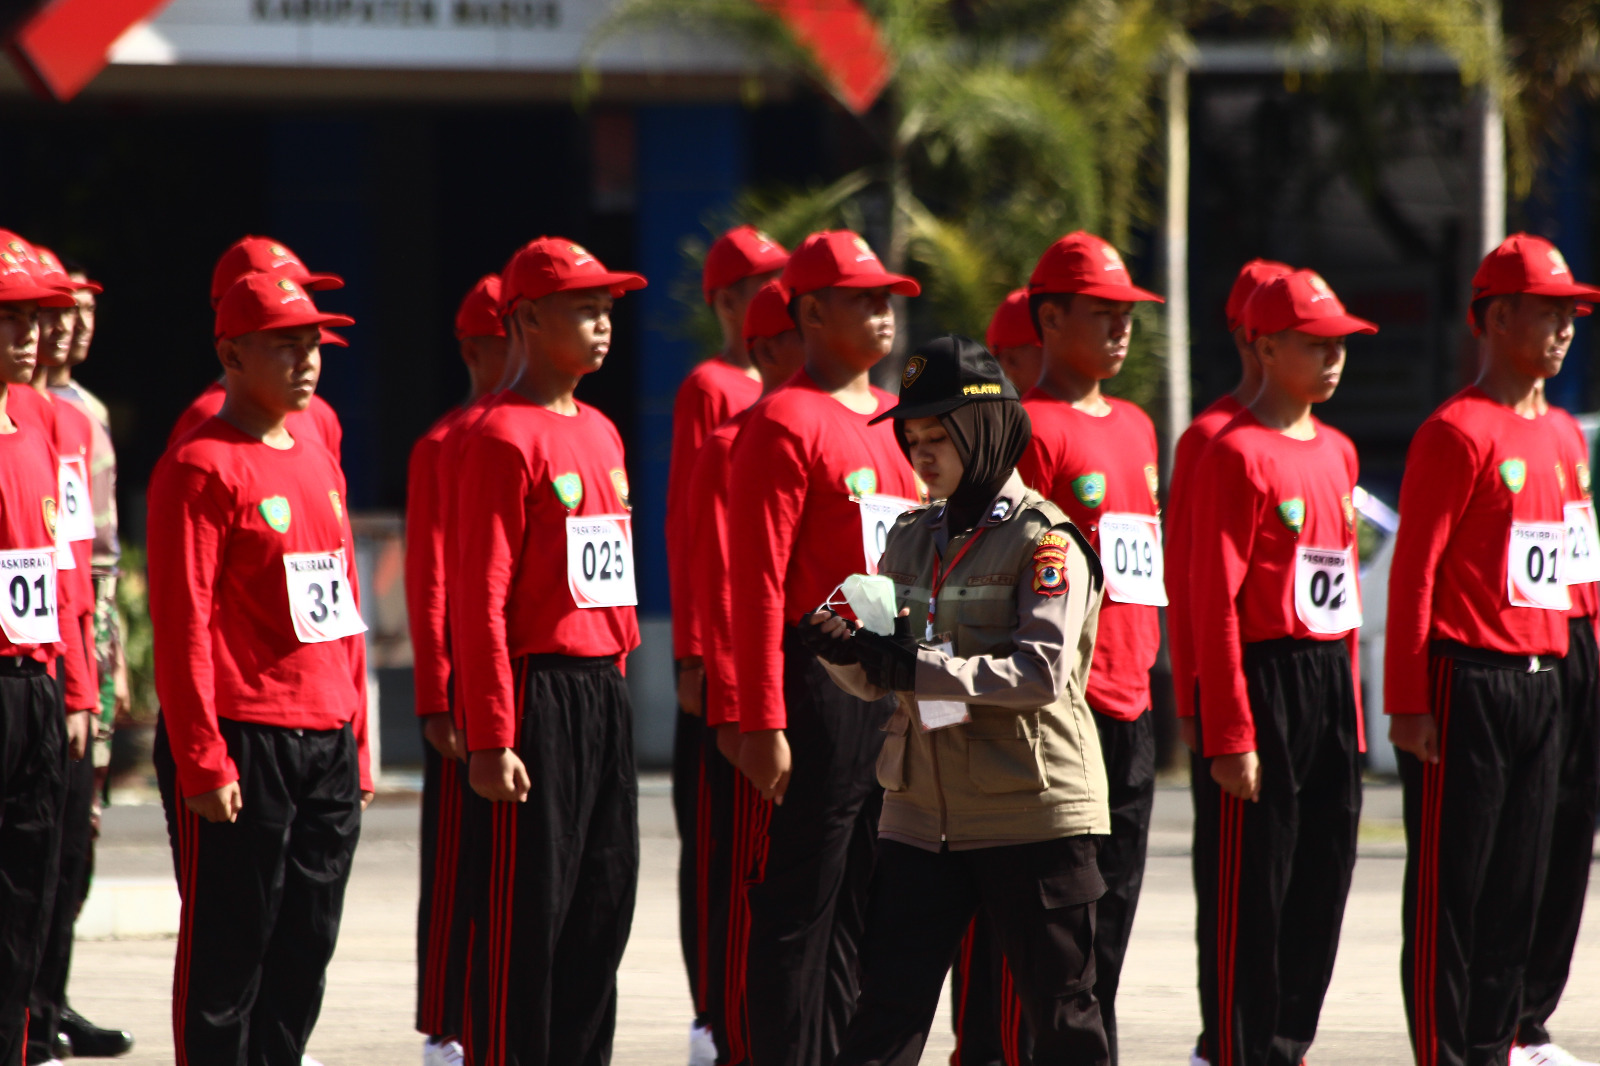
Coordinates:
<point>984,621</point>
<point>1004,753</point>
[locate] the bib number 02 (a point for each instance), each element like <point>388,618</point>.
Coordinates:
<point>1326,597</point>
<point>600,561</point>
<point>321,602</point>
<point>1130,551</point>
<point>28,606</point>
<point>1535,566</point>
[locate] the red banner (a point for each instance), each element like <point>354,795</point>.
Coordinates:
<point>61,48</point>
<point>844,41</point>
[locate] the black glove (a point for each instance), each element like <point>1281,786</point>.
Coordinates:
<point>890,662</point>
<point>840,651</point>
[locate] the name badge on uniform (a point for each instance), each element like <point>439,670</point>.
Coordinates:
<point>1326,597</point>
<point>1583,544</point>
<point>878,516</point>
<point>28,606</point>
<point>75,519</point>
<point>942,714</point>
<point>600,561</point>
<point>1130,551</point>
<point>321,603</point>
<point>1534,566</point>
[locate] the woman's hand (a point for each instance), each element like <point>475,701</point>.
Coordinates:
<point>828,637</point>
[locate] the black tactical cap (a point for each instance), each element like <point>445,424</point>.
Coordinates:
<point>946,373</point>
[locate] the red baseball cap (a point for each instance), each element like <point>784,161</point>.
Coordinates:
<point>1251,277</point>
<point>1012,324</point>
<point>250,254</point>
<point>555,264</point>
<point>22,278</point>
<point>479,313</point>
<point>330,339</point>
<point>739,253</point>
<point>838,258</point>
<point>53,273</point>
<point>768,312</point>
<point>1300,300</point>
<point>1083,263</point>
<point>1525,263</point>
<point>268,301</point>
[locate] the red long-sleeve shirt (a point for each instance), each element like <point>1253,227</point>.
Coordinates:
<point>710,598</point>
<point>1255,486</point>
<point>68,431</point>
<point>794,529</point>
<point>425,580</point>
<point>524,471</point>
<point>1575,488</point>
<point>1091,466</point>
<point>1178,520</point>
<point>451,448</point>
<point>28,490</point>
<point>317,421</point>
<point>1449,575</point>
<point>711,394</point>
<point>226,513</point>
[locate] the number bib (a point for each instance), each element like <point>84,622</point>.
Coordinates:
<point>28,596</point>
<point>1326,596</point>
<point>1583,544</point>
<point>1534,576</point>
<point>600,560</point>
<point>878,515</point>
<point>1130,551</point>
<point>75,518</point>
<point>320,600</point>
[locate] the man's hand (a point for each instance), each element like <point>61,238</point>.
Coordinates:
<point>729,740</point>
<point>439,730</point>
<point>79,730</point>
<point>1191,738</point>
<point>1417,734</point>
<point>692,685</point>
<point>219,805</point>
<point>498,774</point>
<point>764,758</point>
<point>366,799</point>
<point>1239,775</point>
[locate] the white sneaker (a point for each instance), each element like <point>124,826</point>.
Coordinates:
<point>1519,1056</point>
<point>702,1046</point>
<point>1546,1055</point>
<point>1196,1060</point>
<point>307,1060</point>
<point>442,1053</point>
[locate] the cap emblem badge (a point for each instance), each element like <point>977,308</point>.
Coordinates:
<point>619,481</point>
<point>1292,513</point>
<point>863,482</point>
<point>338,504</point>
<point>581,255</point>
<point>569,490</point>
<point>914,368</point>
<point>1152,481</point>
<point>1514,472</point>
<point>279,250</point>
<point>1558,263</point>
<point>1050,565</point>
<point>761,235</point>
<point>48,504</point>
<point>16,246</point>
<point>1113,257</point>
<point>1090,489</point>
<point>867,254</point>
<point>275,509</point>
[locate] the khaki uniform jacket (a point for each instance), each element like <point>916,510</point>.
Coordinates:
<point>1020,609</point>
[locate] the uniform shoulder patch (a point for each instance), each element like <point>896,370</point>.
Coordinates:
<point>1050,564</point>
<point>569,489</point>
<point>1090,489</point>
<point>863,482</point>
<point>1514,472</point>
<point>275,509</point>
<point>1292,513</point>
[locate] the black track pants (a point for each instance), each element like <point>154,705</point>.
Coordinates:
<point>1129,749</point>
<point>33,767</point>
<point>444,905</point>
<point>262,896</point>
<point>1272,877</point>
<point>688,782</point>
<point>72,887</point>
<point>1571,838</point>
<point>1040,899</point>
<point>713,858</point>
<point>808,912</point>
<point>747,867</point>
<point>1477,843</point>
<point>985,1010</point>
<point>562,872</point>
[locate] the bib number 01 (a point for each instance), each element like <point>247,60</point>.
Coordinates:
<point>28,606</point>
<point>1326,597</point>
<point>878,516</point>
<point>1130,551</point>
<point>600,561</point>
<point>1535,566</point>
<point>321,602</point>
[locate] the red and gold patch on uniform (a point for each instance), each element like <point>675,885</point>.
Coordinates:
<point>1349,512</point>
<point>49,505</point>
<point>1050,565</point>
<point>338,504</point>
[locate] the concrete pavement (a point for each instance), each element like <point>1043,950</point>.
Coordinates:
<point>366,1018</point>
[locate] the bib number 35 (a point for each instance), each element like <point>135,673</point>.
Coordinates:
<point>1536,566</point>
<point>600,561</point>
<point>321,602</point>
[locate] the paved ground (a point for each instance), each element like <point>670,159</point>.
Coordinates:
<point>367,1016</point>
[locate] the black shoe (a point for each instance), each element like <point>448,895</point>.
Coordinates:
<point>89,1041</point>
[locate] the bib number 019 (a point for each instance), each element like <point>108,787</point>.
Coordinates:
<point>1130,548</point>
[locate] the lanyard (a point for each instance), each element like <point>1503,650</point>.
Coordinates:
<point>939,579</point>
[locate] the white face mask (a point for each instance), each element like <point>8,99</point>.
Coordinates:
<point>871,598</point>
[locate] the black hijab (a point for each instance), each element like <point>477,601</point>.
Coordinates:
<point>990,437</point>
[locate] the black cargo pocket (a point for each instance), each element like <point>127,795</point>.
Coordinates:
<point>1073,879</point>
<point>892,756</point>
<point>1004,754</point>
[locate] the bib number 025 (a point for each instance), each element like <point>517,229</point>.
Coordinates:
<point>600,561</point>
<point>28,606</point>
<point>1535,566</point>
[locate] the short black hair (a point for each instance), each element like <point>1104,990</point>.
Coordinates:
<point>1037,300</point>
<point>1480,308</point>
<point>71,265</point>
